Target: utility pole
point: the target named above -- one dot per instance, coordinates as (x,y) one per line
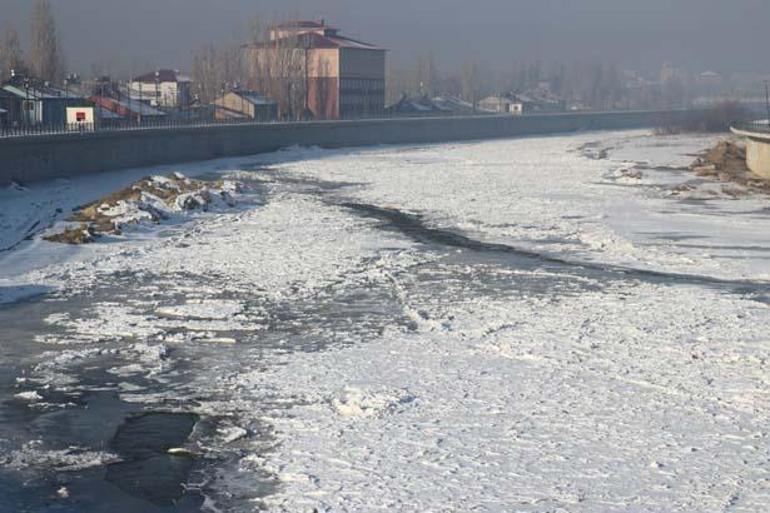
(130,111)
(26,100)
(157,88)
(66,98)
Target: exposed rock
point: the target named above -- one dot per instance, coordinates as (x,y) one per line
(150,199)
(726,162)
(82,234)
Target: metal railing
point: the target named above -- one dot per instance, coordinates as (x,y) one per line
(753,126)
(76,129)
(26,130)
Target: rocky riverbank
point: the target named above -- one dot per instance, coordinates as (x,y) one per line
(726,162)
(149,200)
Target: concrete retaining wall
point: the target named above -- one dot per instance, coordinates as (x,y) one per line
(27,159)
(758,157)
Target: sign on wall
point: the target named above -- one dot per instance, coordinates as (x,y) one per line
(80,118)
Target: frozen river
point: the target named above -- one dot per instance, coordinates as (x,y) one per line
(558,324)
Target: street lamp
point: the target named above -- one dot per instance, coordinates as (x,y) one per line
(70,78)
(129,87)
(66,99)
(157,87)
(26,101)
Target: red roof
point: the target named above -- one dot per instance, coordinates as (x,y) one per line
(315,40)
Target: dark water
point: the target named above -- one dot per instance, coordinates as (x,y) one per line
(90,417)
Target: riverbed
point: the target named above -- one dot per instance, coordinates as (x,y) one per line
(567,323)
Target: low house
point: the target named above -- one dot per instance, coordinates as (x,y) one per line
(42,104)
(166,88)
(518,104)
(420,106)
(457,105)
(504,104)
(243,105)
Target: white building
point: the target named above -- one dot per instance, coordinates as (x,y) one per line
(163,88)
(503,104)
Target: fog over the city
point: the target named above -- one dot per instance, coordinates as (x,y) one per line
(700,34)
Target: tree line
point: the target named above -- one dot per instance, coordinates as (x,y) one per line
(591,83)
(217,68)
(44,59)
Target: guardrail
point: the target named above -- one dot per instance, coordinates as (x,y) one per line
(752,126)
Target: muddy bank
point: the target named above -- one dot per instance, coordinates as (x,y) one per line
(726,162)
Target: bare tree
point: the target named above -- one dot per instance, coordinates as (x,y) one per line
(216,68)
(205,73)
(11,57)
(280,68)
(45,56)
(470,80)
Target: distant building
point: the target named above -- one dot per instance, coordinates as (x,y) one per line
(519,104)
(313,71)
(245,105)
(166,88)
(456,105)
(670,73)
(503,104)
(40,104)
(420,106)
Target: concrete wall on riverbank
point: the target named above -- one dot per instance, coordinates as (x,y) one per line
(757,148)
(758,157)
(41,157)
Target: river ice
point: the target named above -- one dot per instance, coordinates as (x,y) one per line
(529,325)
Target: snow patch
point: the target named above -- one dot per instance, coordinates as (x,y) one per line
(370,402)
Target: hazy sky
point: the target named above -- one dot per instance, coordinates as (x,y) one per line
(725,35)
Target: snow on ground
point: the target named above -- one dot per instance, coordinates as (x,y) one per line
(539,194)
(587,405)
(398,376)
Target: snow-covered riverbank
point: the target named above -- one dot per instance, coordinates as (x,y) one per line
(525,325)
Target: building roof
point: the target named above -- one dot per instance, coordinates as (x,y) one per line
(255,98)
(315,40)
(454,104)
(300,24)
(107,114)
(162,75)
(41,92)
(133,107)
(421,104)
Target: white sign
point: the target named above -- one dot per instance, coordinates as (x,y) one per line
(80,118)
